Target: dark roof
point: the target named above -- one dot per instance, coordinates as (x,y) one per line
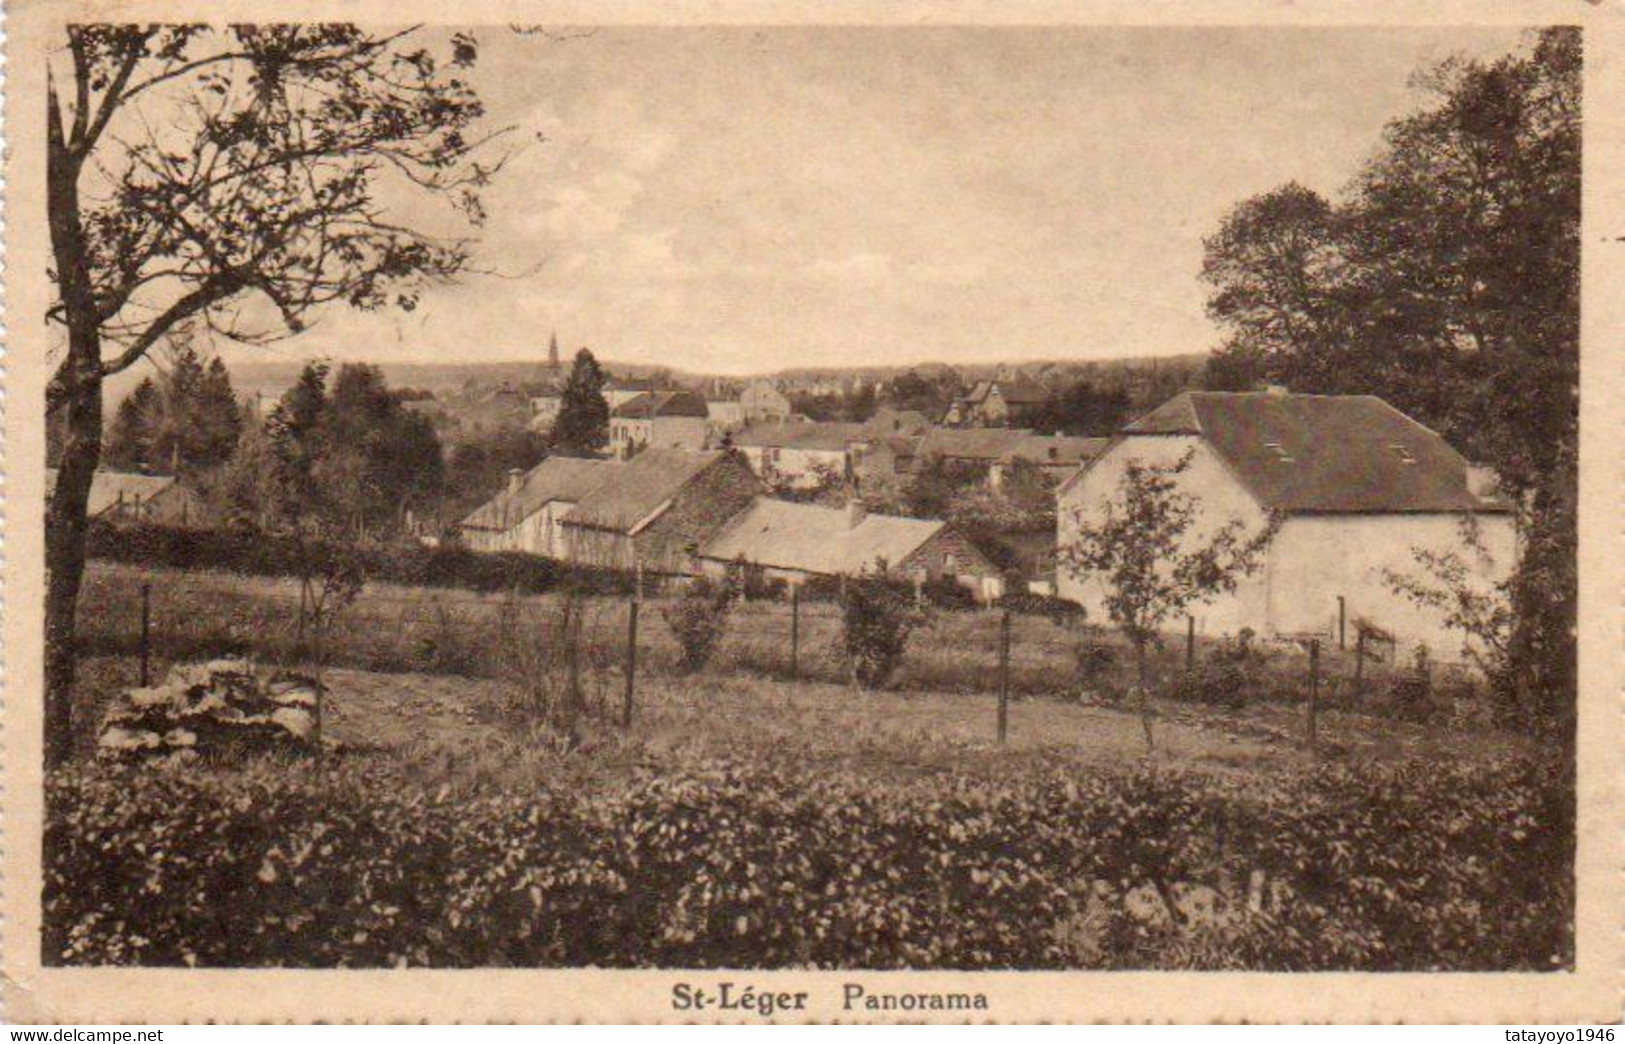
(1020,389)
(985,444)
(556,478)
(664,404)
(807,435)
(109,489)
(638,488)
(1057,449)
(1323,453)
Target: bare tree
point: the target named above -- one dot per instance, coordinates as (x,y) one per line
(233,178)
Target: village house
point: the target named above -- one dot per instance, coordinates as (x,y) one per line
(724,415)
(798,454)
(657,509)
(546,401)
(120,496)
(1357,487)
(1056,456)
(805,454)
(1000,402)
(659,420)
(527,515)
(761,401)
(790,541)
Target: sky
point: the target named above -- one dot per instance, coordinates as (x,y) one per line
(739,200)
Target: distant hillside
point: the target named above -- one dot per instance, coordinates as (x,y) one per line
(270,377)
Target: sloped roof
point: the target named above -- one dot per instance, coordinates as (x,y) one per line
(663,404)
(637,488)
(809,435)
(1020,389)
(988,444)
(1323,453)
(109,488)
(556,478)
(1057,449)
(815,539)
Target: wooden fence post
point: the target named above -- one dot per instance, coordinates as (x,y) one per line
(795,631)
(146,635)
(1190,642)
(1004,676)
(1359,660)
(1314,691)
(631,662)
(1342,622)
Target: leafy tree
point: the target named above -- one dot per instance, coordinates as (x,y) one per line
(255,196)
(1275,265)
(1082,408)
(1137,548)
(698,618)
(582,426)
(930,396)
(877,617)
(478,467)
(1447,281)
(935,483)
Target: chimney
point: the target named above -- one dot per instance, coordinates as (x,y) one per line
(516,478)
(855,512)
(1482,481)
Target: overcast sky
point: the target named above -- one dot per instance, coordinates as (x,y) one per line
(746,199)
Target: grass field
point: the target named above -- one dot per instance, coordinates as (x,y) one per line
(745,819)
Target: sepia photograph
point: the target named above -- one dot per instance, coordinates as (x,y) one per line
(807,498)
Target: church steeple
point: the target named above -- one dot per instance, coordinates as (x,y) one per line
(553,351)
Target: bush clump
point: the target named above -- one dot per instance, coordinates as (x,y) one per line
(1226,675)
(698,618)
(877,617)
(253,552)
(1378,868)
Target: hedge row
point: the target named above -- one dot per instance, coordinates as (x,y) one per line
(1410,867)
(255,553)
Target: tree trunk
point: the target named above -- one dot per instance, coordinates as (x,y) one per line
(65,529)
(78,398)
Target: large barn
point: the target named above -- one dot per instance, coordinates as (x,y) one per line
(1357,484)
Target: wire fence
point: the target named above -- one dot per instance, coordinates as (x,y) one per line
(161,617)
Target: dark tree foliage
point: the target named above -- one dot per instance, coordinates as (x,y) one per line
(254,200)
(1083,408)
(1447,282)
(930,396)
(477,467)
(351,458)
(186,421)
(582,426)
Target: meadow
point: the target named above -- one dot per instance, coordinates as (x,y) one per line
(748,819)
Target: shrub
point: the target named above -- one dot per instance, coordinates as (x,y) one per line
(697,618)
(944,592)
(1095,665)
(1377,868)
(1410,691)
(256,553)
(1060,610)
(877,617)
(1225,677)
